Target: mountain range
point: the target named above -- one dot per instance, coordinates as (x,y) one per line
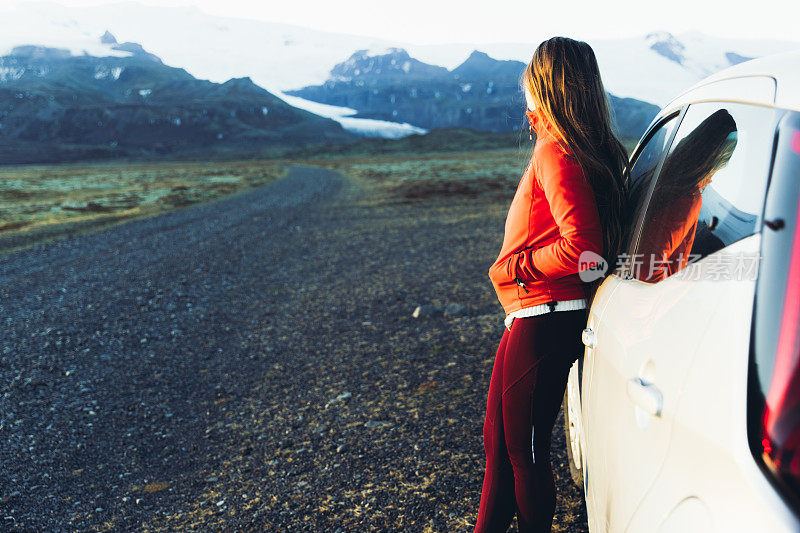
(653,66)
(55,106)
(481,93)
(225,71)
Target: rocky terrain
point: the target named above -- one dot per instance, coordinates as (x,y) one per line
(253,364)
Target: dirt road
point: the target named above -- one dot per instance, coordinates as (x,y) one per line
(252,364)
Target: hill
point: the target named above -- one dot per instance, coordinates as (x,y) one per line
(55,106)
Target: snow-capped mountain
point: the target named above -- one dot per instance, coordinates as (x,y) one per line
(276,56)
(481,93)
(392,63)
(56,107)
(655,67)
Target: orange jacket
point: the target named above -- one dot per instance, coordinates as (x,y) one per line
(552,219)
(666,242)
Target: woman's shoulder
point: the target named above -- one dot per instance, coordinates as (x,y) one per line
(550,156)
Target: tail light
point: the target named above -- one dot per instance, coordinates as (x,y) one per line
(781,418)
(774,391)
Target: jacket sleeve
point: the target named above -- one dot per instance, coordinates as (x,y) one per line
(573,207)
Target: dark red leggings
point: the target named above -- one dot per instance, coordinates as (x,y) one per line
(527,386)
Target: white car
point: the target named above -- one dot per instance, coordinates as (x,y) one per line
(684,412)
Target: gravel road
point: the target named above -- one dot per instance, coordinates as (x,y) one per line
(252,364)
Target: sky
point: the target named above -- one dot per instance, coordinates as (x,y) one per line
(486,21)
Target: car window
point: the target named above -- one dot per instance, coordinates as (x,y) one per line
(710,188)
(643,169)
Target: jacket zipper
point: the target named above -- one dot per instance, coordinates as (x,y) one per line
(517,280)
(521,284)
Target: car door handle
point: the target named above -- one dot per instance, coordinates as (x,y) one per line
(588,338)
(646,396)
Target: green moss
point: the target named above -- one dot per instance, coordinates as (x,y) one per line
(35,198)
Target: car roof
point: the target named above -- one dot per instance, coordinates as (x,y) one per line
(771,81)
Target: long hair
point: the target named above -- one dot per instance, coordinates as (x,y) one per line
(694,160)
(564,81)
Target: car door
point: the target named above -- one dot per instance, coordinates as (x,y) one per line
(599,397)
(704,402)
(659,317)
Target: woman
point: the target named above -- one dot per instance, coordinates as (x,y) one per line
(674,231)
(568,202)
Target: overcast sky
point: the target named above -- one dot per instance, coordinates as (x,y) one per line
(447,21)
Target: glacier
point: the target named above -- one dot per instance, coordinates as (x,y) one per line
(366,127)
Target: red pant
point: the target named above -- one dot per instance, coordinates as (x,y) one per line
(527,386)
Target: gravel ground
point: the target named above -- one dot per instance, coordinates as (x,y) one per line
(253,364)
